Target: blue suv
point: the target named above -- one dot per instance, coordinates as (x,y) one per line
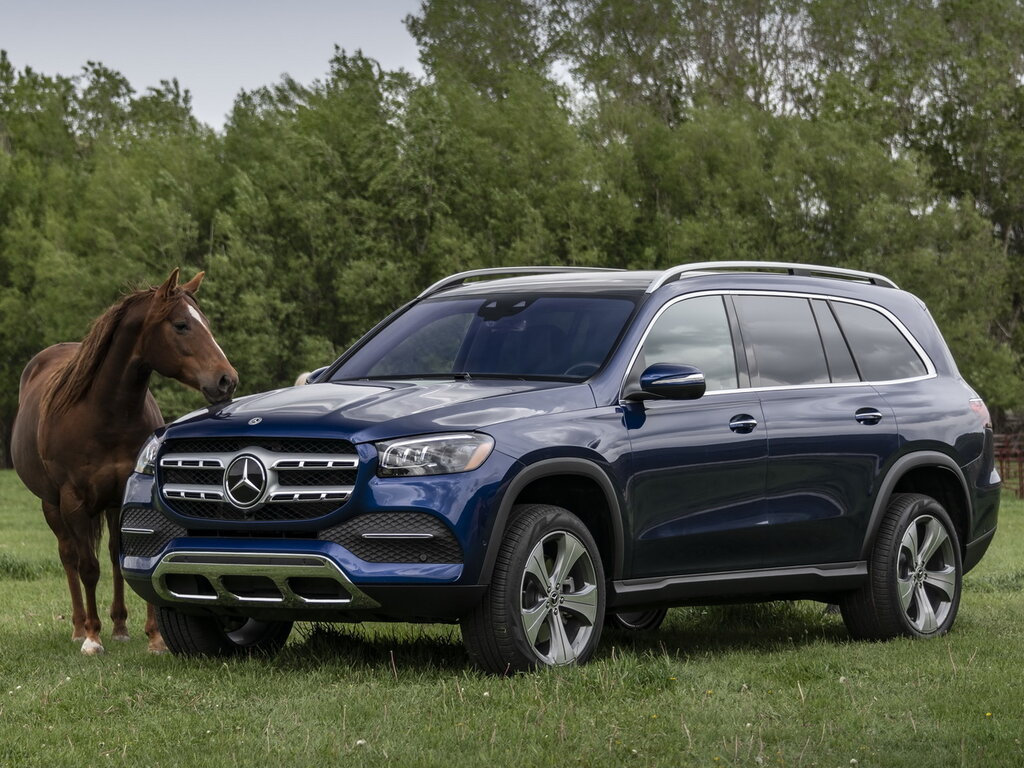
(537,453)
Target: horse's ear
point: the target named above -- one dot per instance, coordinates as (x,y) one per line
(193,285)
(169,285)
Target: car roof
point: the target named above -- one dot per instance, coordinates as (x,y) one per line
(610,281)
(589,280)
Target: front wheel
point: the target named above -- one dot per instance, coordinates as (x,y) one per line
(189,634)
(915,574)
(545,603)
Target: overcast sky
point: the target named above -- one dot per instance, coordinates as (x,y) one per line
(214,47)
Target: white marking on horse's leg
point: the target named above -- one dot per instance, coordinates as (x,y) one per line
(77,639)
(121,638)
(91,648)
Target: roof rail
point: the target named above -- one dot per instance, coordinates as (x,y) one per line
(805,270)
(462,277)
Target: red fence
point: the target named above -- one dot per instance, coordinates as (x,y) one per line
(1010,460)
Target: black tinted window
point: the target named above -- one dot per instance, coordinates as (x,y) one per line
(781,333)
(840,361)
(881,351)
(694,332)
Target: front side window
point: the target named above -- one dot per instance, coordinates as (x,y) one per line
(693,332)
(507,336)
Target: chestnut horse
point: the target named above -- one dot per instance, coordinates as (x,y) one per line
(84,412)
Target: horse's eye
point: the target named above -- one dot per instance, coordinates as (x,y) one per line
(180,326)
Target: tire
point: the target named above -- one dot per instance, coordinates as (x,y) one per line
(189,634)
(636,621)
(538,609)
(915,574)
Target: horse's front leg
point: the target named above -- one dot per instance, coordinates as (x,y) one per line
(156,640)
(118,609)
(68,551)
(85,529)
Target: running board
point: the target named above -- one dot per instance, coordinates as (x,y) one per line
(799,581)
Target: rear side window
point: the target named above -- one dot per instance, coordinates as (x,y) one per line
(840,361)
(882,352)
(782,341)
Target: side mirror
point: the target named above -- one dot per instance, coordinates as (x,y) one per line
(311,379)
(670,382)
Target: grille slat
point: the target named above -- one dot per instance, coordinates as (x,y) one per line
(306,478)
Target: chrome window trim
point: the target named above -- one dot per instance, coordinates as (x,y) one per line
(930,372)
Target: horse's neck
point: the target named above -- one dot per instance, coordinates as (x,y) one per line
(122,379)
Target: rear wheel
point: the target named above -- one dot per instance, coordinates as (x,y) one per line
(545,603)
(637,621)
(915,574)
(188,634)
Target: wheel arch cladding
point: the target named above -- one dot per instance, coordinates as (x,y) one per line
(577,485)
(931,474)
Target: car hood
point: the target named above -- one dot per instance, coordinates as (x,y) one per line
(379,410)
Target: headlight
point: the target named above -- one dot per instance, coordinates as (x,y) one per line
(146,463)
(434,455)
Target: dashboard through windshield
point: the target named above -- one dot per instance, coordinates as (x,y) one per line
(506,336)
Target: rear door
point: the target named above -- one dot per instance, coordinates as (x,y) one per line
(829,432)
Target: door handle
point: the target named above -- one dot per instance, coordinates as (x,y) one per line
(868,415)
(742,423)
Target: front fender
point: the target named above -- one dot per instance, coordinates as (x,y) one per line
(551,468)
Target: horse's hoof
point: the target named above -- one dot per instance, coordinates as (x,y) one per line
(157,647)
(121,638)
(91,647)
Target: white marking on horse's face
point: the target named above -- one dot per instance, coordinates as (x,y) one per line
(202,321)
(198,316)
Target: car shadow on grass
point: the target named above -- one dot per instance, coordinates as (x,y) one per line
(370,647)
(686,632)
(721,628)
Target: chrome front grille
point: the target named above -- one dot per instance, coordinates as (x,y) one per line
(302,480)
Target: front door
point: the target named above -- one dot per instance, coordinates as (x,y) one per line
(698,474)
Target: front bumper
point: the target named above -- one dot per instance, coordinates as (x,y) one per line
(294,571)
(235,578)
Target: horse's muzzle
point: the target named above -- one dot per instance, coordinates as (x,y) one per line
(222,390)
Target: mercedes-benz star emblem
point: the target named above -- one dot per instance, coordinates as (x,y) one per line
(245,482)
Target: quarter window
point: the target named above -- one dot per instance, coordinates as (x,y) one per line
(784,348)
(694,332)
(882,352)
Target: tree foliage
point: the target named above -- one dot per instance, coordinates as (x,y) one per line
(870,134)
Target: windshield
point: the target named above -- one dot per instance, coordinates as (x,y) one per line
(509,336)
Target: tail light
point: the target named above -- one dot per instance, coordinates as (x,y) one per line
(979,407)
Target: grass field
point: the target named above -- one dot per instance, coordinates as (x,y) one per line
(776,684)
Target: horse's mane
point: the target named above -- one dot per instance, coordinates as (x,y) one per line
(71,382)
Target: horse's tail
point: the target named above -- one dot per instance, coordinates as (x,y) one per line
(95,532)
